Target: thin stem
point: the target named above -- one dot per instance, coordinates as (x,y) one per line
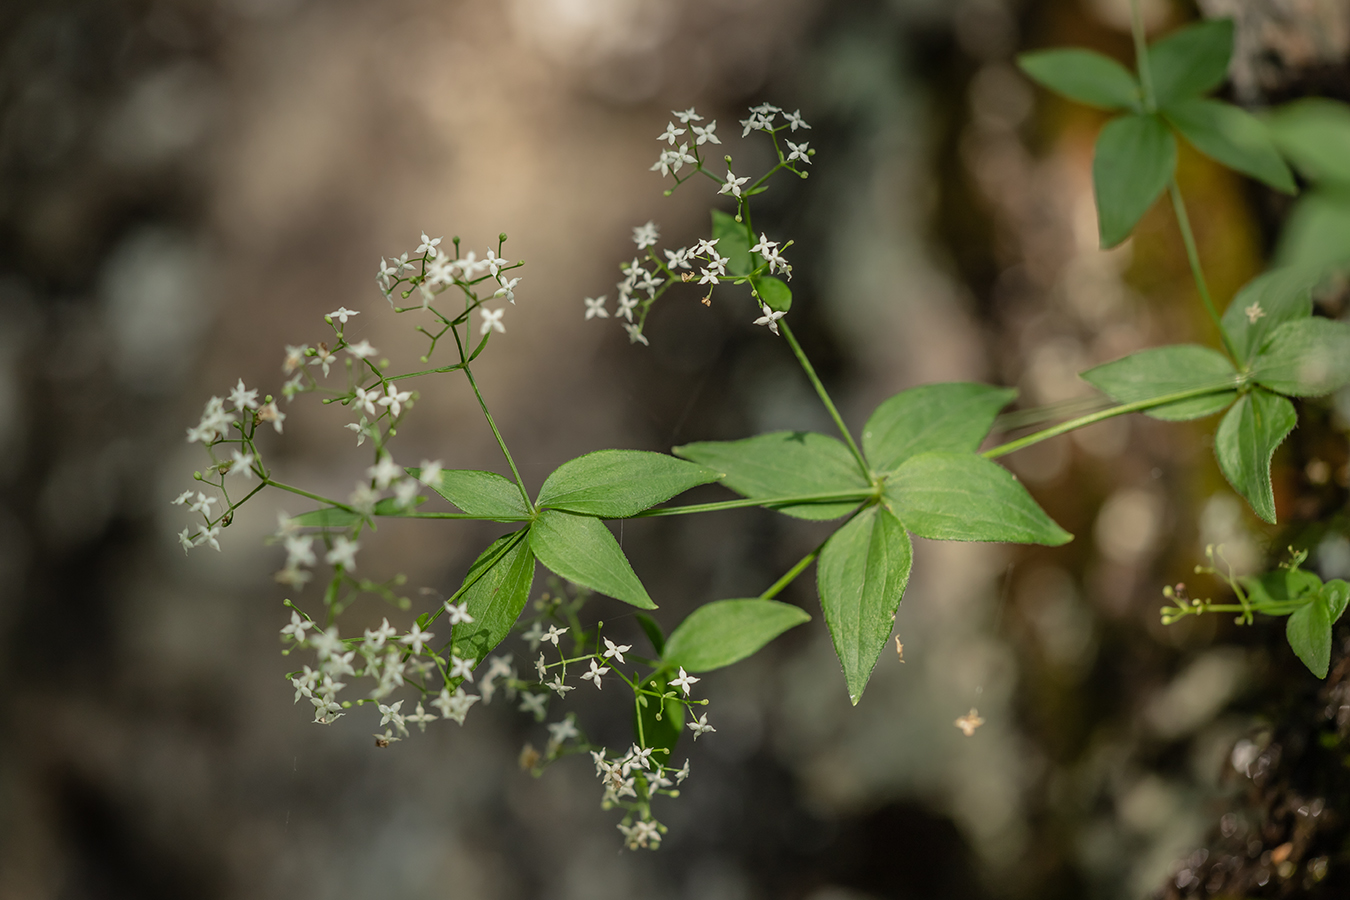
(1193,256)
(437,515)
(520,482)
(770,502)
(304,493)
(791,575)
(1141,56)
(824,397)
(1082,421)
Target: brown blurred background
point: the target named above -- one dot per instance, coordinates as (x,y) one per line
(187,186)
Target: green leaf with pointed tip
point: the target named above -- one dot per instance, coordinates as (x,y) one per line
(861,576)
(1191,61)
(1281,585)
(774,292)
(661,733)
(1305,358)
(332,517)
(1132,164)
(1234,137)
(954,416)
(1309,634)
(1083,75)
(1245,442)
(480,493)
(1168,370)
(615,484)
(1264,304)
(784,464)
(581,549)
(965,497)
(504,574)
(653,632)
(720,633)
(1314,134)
(732,242)
(1336,593)
(1317,233)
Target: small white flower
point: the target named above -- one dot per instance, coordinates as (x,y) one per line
(322,357)
(362,350)
(697,727)
(616,651)
(492,319)
(799,151)
(359,428)
(594,674)
(770,318)
(534,704)
(342,314)
(559,687)
(394,399)
(677,259)
(595,308)
(495,264)
(326,642)
(208,536)
(391,714)
(645,235)
(270,413)
(242,464)
(671,134)
(384,471)
(430,473)
(299,551)
(295,358)
(733,184)
(705,247)
(534,635)
(541,667)
(687,116)
(456,614)
(203,504)
(561,732)
(635,335)
(428,244)
(416,638)
(554,632)
(243,399)
(405,492)
(375,640)
(1254,312)
(420,718)
(765,245)
(363,499)
(343,553)
(455,707)
(185,539)
(685,681)
(508,288)
(462,668)
(681,775)
(706,135)
(794,119)
(626,306)
(182,498)
(638,757)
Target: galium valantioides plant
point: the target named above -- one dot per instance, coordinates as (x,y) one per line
(918,468)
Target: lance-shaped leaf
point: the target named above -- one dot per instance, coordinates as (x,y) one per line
(1309,634)
(615,484)
(732,242)
(499,584)
(1246,441)
(1083,75)
(1234,137)
(653,631)
(861,576)
(581,549)
(785,464)
(1314,134)
(1168,370)
(954,416)
(1264,304)
(965,497)
(1134,159)
(1305,358)
(720,633)
(480,493)
(1191,61)
(661,722)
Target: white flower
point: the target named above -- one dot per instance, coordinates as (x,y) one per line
(363,499)
(202,504)
(243,399)
(394,398)
(208,536)
(765,245)
(699,727)
(270,413)
(214,425)
(534,703)
(799,151)
(677,259)
(671,134)
(1254,312)
(685,681)
(687,116)
(770,318)
(326,642)
(595,308)
(242,464)
(375,640)
(359,428)
(681,775)
(560,732)
(185,540)
(420,718)
(293,576)
(455,707)
(362,350)
(366,400)
(495,264)
(295,358)
(294,386)
(323,358)
(472,266)
(756,122)
(342,314)
(297,627)
(594,674)
(384,471)
(462,668)
(416,638)
(626,306)
(645,235)
(428,244)
(709,276)
(733,184)
(534,635)
(706,135)
(705,247)
(430,473)
(182,498)
(638,757)
(554,632)
(299,551)
(794,119)
(456,614)
(635,335)
(492,319)
(508,288)
(616,651)
(391,714)
(339,664)
(343,553)
(405,492)
(558,686)
(541,667)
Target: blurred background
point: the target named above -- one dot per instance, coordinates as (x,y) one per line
(188,185)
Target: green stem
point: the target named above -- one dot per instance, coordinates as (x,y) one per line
(1082,421)
(454,516)
(824,397)
(769,502)
(1141,56)
(304,493)
(473,579)
(1193,256)
(791,574)
(520,482)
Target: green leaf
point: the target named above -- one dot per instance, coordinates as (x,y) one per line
(505,574)
(1265,303)
(1234,137)
(653,632)
(1336,593)
(862,574)
(1317,233)
(733,242)
(1281,585)
(1305,358)
(1191,61)
(1246,441)
(332,517)
(720,633)
(662,733)
(954,416)
(774,293)
(481,493)
(965,497)
(1314,134)
(1134,159)
(1168,370)
(1309,634)
(784,464)
(581,549)
(615,484)
(1085,76)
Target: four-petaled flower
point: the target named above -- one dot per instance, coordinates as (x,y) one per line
(508,288)
(685,681)
(462,668)
(243,399)
(455,707)
(706,135)
(770,318)
(534,703)
(969,722)
(1254,312)
(687,115)
(646,235)
(595,308)
(594,674)
(794,119)
(554,632)
(616,651)
(342,313)
(456,614)
(671,134)
(362,350)
(492,319)
(558,686)
(733,184)
(428,244)
(799,151)
(416,638)
(420,718)
(343,553)
(699,727)
(635,335)
(394,398)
